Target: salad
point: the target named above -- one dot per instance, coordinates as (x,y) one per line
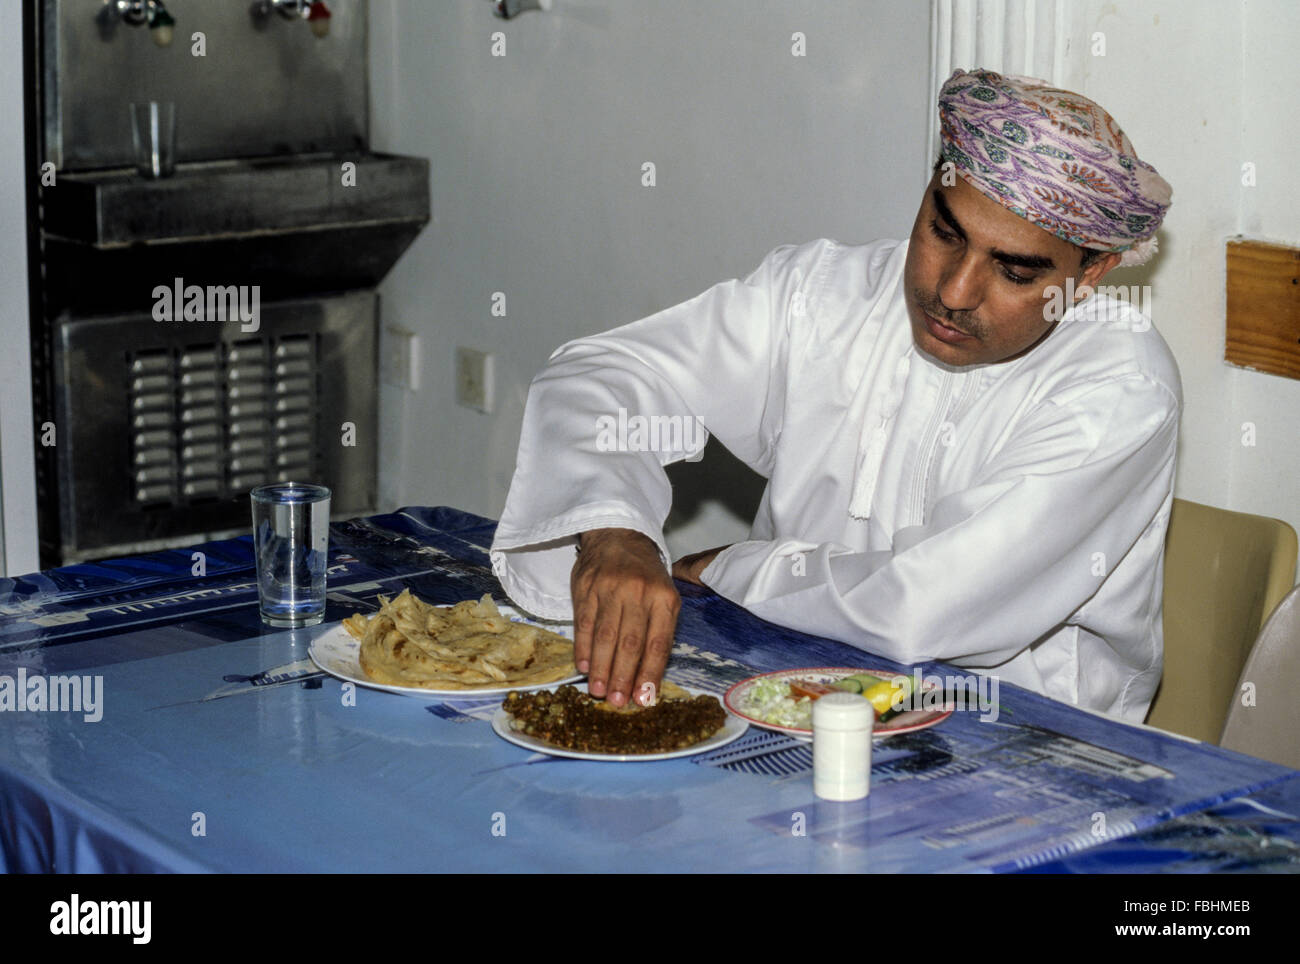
(788,703)
(770,700)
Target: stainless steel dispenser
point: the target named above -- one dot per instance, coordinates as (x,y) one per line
(169,399)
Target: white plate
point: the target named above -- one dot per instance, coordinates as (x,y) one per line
(907,722)
(338,654)
(733,729)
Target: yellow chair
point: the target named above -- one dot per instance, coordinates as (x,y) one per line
(1268,724)
(1224,573)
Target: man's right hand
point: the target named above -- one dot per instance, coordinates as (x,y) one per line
(625,609)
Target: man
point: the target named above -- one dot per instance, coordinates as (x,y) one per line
(961,464)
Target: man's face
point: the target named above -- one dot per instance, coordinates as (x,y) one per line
(976,274)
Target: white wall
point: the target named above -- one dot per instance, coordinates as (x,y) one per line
(17,462)
(1266,478)
(1203,86)
(536,166)
(536,159)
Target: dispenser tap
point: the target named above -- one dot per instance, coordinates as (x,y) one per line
(135,13)
(318,18)
(314,12)
(132,12)
(161,24)
(505,9)
(289,9)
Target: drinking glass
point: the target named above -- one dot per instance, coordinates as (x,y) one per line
(291,544)
(153,130)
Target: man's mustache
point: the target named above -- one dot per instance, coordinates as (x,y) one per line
(949,318)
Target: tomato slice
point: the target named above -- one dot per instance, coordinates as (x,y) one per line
(810,689)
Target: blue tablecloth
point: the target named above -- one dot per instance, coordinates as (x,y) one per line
(215,744)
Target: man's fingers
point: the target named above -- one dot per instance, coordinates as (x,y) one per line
(659,644)
(584,626)
(621,597)
(604,641)
(631,642)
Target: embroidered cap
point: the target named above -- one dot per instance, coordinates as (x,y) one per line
(1055,158)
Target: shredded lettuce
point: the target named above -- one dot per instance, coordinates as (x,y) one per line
(769,700)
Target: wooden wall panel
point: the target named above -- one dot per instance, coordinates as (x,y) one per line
(1264,307)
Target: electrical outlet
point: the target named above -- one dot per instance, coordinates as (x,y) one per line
(400,358)
(474,379)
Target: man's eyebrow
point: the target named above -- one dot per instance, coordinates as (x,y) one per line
(1035,261)
(945,212)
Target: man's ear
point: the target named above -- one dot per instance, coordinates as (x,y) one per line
(1098,269)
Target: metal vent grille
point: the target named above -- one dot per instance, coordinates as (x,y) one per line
(153,426)
(212,421)
(164,428)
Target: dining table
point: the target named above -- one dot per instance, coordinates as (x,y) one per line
(205,741)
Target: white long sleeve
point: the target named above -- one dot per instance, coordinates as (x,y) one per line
(720,357)
(1008,517)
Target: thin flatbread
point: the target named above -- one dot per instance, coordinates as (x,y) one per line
(470,645)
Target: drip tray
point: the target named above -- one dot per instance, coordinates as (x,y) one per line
(292,226)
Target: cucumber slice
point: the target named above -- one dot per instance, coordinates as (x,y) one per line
(850,684)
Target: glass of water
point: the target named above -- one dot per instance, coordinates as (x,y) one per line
(153,129)
(291,530)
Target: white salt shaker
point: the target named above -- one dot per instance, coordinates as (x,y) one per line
(842,724)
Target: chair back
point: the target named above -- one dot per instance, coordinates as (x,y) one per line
(1224,573)
(1264,719)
